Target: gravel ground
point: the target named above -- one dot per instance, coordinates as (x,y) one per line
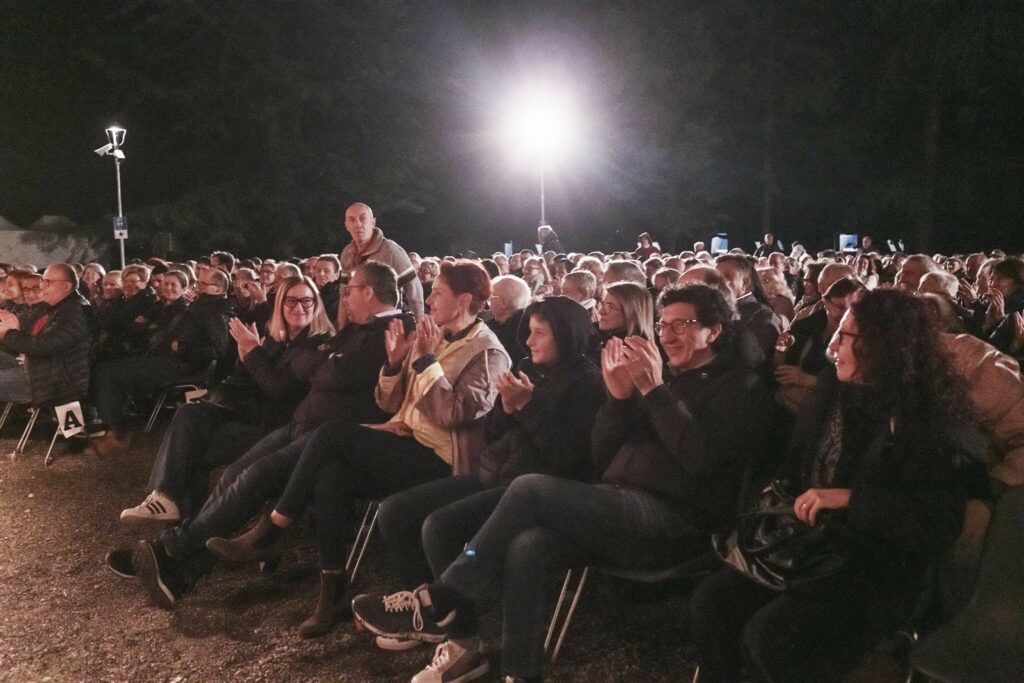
(65,617)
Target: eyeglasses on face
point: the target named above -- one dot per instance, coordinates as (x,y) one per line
(609,306)
(843,336)
(306,302)
(677,326)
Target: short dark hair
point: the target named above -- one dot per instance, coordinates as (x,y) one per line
(710,304)
(225,257)
(468,277)
(332,259)
(382,279)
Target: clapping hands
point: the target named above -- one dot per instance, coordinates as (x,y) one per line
(515,392)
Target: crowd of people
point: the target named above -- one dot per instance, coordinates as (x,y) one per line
(519,415)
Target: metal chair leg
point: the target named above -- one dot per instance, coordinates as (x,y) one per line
(558,610)
(23,441)
(7,411)
(359,536)
(366,541)
(156,410)
(696,675)
(49,451)
(569,615)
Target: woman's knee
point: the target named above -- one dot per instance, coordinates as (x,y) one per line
(532,485)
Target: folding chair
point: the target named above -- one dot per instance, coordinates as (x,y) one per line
(194,383)
(362,539)
(26,434)
(691,569)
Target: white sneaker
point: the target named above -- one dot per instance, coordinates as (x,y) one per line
(396,644)
(156,508)
(453,664)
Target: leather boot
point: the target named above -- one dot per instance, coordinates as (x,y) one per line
(334,604)
(258,544)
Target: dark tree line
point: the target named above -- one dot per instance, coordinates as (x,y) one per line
(252,124)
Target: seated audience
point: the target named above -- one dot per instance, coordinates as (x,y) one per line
(438,383)
(755,313)
(670,449)
(215,432)
(197,336)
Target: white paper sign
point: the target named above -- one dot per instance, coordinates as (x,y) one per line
(69,419)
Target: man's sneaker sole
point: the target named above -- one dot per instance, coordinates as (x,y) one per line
(119,561)
(396,644)
(148,570)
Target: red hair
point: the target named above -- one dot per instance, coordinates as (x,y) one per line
(468,277)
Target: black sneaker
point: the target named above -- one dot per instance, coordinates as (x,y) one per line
(119,561)
(406,615)
(158,572)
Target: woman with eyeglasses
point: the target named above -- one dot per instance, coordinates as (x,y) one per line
(272,376)
(627,309)
(875,454)
(669,448)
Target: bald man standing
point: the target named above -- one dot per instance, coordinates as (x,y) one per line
(368,243)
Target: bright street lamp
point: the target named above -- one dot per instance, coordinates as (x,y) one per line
(115,138)
(539,125)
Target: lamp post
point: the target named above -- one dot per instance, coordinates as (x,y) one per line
(115,138)
(539,129)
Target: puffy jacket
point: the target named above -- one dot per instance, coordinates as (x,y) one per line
(57,356)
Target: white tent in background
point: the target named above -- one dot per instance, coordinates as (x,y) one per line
(39,246)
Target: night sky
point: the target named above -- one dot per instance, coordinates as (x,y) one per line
(251,125)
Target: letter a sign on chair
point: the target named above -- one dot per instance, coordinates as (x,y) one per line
(69,419)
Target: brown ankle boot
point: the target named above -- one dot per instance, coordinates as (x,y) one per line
(334,604)
(259,544)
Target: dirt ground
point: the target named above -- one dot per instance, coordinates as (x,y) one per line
(65,617)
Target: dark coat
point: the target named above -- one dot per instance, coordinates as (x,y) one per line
(907,496)
(342,387)
(119,333)
(761,320)
(509,336)
(201,333)
(688,441)
(281,372)
(57,358)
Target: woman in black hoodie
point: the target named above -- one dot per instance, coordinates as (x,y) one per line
(540,423)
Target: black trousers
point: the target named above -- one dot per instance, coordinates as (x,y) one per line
(814,635)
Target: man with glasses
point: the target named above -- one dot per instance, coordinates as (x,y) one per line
(55,346)
(510,296)
(368,242)
(186,347)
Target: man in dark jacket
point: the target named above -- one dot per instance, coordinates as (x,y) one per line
(56,348)
(755,314)
(197,336)
(509,298)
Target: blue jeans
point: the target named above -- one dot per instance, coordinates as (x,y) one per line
(14,385)
(200,438)
(545,524)
(246,485)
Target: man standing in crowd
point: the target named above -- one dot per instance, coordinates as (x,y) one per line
(769,247)
(56,348)
(368,242)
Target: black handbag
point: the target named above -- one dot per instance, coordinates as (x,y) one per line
(775,549)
